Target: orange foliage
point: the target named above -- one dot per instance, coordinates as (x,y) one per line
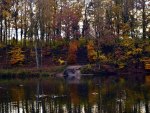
(147,80)
(92,55)
(73,46)
(17,55)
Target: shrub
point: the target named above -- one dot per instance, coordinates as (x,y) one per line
(82,41)
(88,69)
(16,55)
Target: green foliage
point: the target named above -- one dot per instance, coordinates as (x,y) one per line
(129,50)
(82,41)
(88,69)
(58,43)
(127,42)
(103,58)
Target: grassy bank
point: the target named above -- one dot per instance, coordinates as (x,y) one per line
(21,73)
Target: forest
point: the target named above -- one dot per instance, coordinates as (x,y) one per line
(49,33)
(74,56)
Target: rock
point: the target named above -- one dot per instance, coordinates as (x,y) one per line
(72,72)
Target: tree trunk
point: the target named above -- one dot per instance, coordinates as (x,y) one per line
(143,19)
(1,31)
(16,29)
(37,56)
(25,25)
(5,40)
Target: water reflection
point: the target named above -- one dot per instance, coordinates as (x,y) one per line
(130,94)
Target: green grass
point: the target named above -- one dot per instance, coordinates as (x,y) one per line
(30,73)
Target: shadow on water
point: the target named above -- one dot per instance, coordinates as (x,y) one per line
(124,94)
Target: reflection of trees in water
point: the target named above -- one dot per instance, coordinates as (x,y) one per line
(109,95)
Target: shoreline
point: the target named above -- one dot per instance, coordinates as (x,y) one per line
(21,73)
(57,71)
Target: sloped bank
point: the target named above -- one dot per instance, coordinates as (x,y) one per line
(112,69)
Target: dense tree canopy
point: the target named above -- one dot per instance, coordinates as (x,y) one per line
(40,23)
(52,19)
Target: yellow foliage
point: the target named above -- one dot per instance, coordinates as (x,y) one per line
(134,51)
(17,55)
(103,58)
(1,45)
(147,48)
(147,80)
(127,42)
(129,53)
(121,65)
(5,13)
(125,27)
(116,9)
(137,51)
(61,62)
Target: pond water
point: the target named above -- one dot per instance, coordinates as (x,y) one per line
(111,94)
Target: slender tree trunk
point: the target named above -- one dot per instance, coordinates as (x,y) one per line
(25,25)
(16,29)
(37,56)
(31,25)
(41,56)
(37,98)
(9,33)
(5,40)
(146,107)
(21,27)
(4,34)
(143,19)
(1,31)
(132,26)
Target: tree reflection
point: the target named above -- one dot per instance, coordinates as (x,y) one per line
(100,95)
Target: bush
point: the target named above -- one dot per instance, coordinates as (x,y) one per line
(82,41)
(16,55)
(87,69)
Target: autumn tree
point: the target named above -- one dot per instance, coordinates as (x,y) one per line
(92,54)
(71,15)
(16,55)
(5,16)
(73,46)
